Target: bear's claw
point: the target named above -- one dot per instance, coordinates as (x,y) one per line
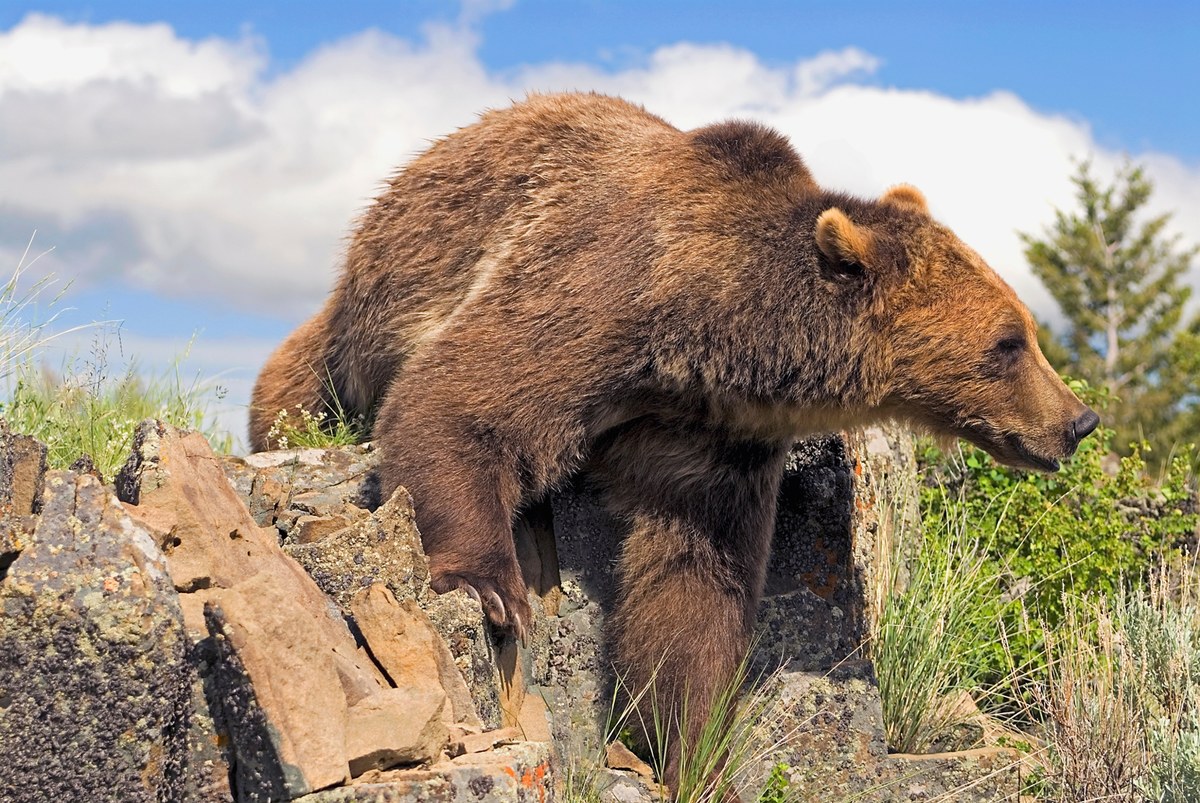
(512,615)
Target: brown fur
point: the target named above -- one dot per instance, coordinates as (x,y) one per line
(294,376)
(573,278)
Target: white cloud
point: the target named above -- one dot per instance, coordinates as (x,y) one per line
(186,168)
(44,54)
(817,74)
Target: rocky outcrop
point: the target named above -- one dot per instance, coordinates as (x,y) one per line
(324,507)
(165,646)
(826,728)
(95,687)
(517,773)
(305,702)
(262,629)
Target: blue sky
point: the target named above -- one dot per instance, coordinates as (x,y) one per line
(199,176)
(1130,69)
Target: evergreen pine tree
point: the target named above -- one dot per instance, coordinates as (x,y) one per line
(1120,284)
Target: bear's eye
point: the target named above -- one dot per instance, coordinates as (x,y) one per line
(1010,347)
(1010,344)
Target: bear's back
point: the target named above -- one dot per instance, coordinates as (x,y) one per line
(556,172)
(419,248)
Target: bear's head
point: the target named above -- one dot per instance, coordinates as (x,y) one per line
(958,349)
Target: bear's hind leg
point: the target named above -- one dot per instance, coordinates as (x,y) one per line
(294,376)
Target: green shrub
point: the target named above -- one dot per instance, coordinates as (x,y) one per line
(1082,531)
(1076,531)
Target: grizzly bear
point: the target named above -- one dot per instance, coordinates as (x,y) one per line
(574,279)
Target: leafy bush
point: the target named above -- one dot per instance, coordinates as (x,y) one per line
(776,788)
(1079,530)
(1085,530)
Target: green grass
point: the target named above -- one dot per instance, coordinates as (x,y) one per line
(1110,705)
(723,759)
(20,336)
(1120,700)
(936,621)
(300,428)
(730,745)
(1105,677)
(1160,631)
(88,413)
(82,410)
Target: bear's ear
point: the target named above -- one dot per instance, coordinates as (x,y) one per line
(907,196)
(848,247)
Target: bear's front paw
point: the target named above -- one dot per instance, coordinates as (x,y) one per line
(503,602)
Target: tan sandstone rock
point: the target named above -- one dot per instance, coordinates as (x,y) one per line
(619,757)
(398,726)
(304,706)
(282,651)
(324,506)
(404,643)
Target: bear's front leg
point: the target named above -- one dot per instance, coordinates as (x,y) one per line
(466,486)
(475,427)
(701,511)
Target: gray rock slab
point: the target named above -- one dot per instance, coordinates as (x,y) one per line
(95,688)
(827,728)
(383,548)
(278,486)
(459,620)
(985,775)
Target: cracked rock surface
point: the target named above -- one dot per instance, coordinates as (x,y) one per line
(95,688)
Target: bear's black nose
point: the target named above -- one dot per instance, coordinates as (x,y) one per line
(1082,427)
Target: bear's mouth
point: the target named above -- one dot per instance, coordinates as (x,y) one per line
(1011,450)
(1032,458)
